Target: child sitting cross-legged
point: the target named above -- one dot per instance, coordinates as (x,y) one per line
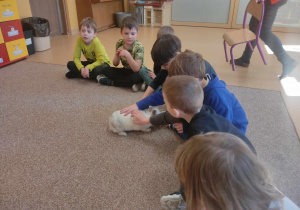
(218,171)
(93,51)
(131,54)
(183,96)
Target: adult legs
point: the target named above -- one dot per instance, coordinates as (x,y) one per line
(270,39)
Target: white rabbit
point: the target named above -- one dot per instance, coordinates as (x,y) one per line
(119,123)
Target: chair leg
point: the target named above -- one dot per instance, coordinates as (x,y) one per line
(225,49)
(261,54)
(250,45)
(232,58)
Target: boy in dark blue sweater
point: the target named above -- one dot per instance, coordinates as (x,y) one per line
(183,96)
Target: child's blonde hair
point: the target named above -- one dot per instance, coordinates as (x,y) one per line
(89,23)
(218,171)
(184,93)
(188,63)
(165,30)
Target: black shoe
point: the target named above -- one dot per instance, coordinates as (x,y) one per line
(70,75)
(240,62)
(105,81)
(288,68)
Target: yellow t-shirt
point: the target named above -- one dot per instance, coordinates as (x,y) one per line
(93,52)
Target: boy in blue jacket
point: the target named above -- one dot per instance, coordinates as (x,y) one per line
(216,95)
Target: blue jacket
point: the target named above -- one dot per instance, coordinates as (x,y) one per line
(216,96)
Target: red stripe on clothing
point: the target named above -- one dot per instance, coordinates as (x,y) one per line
(274,1)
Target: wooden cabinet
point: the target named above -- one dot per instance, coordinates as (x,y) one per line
(12,43)
(102,11)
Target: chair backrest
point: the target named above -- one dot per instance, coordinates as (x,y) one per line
(256,9)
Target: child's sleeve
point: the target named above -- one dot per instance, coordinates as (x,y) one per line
(139,53)
(164,119)
(77,55)
(155,99)
(100,56)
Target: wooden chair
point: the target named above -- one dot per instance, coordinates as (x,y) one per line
(244,35)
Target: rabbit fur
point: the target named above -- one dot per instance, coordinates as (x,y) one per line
(118,123)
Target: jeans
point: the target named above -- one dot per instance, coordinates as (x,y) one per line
(270,39)
(144,74)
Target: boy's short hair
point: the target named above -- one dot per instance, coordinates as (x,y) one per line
(165,30)
(188,63)
(165,49)
(130,22)
(89,23)
(184,93)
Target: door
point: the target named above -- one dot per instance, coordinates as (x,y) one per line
(50,10)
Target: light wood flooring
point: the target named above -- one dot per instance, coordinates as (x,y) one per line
(209,43)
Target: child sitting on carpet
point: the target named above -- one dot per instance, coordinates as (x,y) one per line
(93,51)
(131,54)
(219,171)
(147,75)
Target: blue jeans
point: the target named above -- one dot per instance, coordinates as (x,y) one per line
(266,33)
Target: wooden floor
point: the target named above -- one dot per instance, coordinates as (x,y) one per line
(209,43)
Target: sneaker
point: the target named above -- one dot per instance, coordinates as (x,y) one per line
(240,62)
(99,77)
(288,68)
(144,86)
(174,201)
(105,81)
(136,87)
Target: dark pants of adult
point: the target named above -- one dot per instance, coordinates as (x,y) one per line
(266,33)
(122,77)
(75,73)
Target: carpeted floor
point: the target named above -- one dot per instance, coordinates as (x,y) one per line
(56,151)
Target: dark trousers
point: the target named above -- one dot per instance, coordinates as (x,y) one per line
(122,77)
(93,74)
(266,33)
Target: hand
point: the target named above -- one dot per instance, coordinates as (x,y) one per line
(179,127)
(140,118)
(119,50)
(129,109)
(124,53)
(151,74)
(84,72)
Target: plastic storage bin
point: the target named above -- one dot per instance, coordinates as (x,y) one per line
(120,16)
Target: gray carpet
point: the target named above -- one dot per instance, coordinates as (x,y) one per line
(56,151)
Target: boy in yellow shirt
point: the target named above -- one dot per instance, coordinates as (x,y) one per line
(93,51)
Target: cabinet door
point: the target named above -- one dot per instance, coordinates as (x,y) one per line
(3,55)
(8,10)
(16,49)
(11,30)
(1,37)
